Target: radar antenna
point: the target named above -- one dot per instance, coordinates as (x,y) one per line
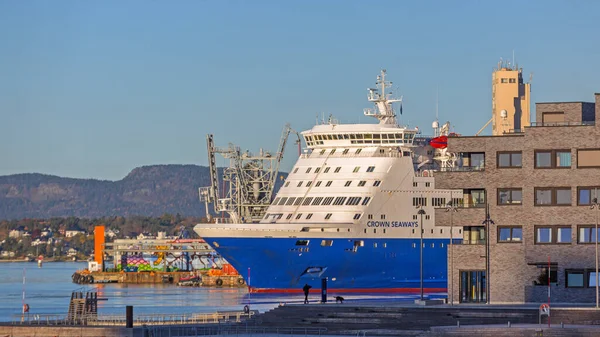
(383,102)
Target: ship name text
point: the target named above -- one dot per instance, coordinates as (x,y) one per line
(392,224)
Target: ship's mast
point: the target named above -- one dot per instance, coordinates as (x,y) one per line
(383,102)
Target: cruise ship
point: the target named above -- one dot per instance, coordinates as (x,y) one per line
(357,208)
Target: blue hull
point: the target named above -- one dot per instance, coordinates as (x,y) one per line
(380,265)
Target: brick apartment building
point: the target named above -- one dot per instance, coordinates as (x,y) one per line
(539,183)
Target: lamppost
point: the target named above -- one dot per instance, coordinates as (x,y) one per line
(450,207)
(487,222)
(596,205)
(421,212)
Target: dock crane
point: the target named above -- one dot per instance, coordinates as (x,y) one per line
(248,182)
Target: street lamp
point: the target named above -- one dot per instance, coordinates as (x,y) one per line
(596,205)
(450,207)
(487,222)
(421,212)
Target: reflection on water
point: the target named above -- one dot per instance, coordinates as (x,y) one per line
(48,291)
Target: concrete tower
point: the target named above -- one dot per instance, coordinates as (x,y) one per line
(510,99)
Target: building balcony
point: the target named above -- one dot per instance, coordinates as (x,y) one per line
(464,216)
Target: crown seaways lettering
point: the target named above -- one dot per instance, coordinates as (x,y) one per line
(392,224)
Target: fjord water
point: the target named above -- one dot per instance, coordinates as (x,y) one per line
(48,291)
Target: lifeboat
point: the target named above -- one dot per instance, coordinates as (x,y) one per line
(440,142)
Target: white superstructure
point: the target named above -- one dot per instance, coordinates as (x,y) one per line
(358,180)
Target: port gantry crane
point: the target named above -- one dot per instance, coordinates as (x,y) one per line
(247,183)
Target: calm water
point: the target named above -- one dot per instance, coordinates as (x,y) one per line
(48,291)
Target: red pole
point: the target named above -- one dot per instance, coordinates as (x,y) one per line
(549,290)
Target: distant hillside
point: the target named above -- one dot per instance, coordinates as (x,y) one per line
(148,190)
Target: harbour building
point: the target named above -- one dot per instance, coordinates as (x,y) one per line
(528,211)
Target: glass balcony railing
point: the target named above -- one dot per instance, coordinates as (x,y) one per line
(463,169)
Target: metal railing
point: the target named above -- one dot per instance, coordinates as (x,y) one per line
(138,320)
(224,330)
(550,124)
(463,169)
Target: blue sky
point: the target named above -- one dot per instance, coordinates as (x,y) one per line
(95,89)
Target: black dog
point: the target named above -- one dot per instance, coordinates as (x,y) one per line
(339,299)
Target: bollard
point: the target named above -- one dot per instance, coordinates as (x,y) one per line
(562,325)
(324,290)
(129,316)
(458,324)
(509,324)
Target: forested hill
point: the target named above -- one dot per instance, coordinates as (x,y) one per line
(148,190)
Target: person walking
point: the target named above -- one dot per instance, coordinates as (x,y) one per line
(306,289)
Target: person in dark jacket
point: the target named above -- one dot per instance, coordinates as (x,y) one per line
(306,288)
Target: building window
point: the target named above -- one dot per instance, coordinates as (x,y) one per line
(289,216)
(586,195)
(552,196)
(299,184)
(438,202)
(591,279)
(543,235)
(287,184)
(382,216)
(552,159)
(574,278)
(353,201)
(339,201)
(298,216)
(415,217)
(509,159)
(326,170)
(504,80)
(327,201)
(328,216)
(318,183)
(332,152)
(357,216)
(282,201)
(361,183)
(377,183)
(290,201)
(366,201)
(415,184)
(337,169)
(419,201)
(308,170)
(357,151)
(510,234)
(345,151)
(588,158)
(326,243)
(371,169)
(427,184)
(586,234)
(563,234)
(328,183)
(427,217)
(543,277)
(309,216)
(302,242)
(473,160)
(317,201)
(356,169)
(317,170)
(295,170)
(308,183)
(298,201)
(348,183)
(512,80)
(322,152)
(370,216)
(510,196)
(307,201)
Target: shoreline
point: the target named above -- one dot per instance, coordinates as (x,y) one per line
(35,261)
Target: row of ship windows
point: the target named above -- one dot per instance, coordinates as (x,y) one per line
(347,184)
(337,169)
(361,136)
(357,243)
(366,141)
(321,201)
(277,216)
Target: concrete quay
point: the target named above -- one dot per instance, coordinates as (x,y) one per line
(364,319)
